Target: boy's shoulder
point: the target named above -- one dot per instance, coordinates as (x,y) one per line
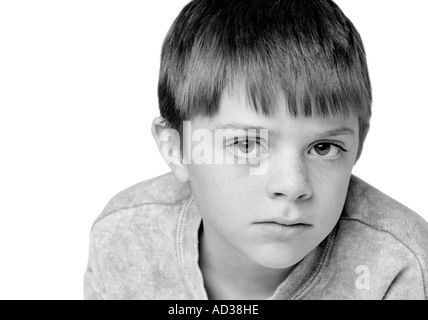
(160,190)
(373,208)
(380,250)
(134,238)
(378,231)
(384,241)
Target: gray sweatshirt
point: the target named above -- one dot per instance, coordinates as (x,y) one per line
(144,245)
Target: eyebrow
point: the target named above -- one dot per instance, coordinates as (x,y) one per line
(236,125)
(341,131)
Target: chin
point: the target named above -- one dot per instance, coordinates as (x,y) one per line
(279,259)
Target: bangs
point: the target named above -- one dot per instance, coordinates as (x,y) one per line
(309,88)
(307,52)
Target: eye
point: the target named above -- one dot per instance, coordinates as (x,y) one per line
(246,147)
(327,149)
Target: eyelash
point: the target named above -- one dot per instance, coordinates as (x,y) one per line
(236,140)
(341,152)
(333,143)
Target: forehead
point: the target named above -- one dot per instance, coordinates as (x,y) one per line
(236,111)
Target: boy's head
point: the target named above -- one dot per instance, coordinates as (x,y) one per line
(305,51)
(294,67)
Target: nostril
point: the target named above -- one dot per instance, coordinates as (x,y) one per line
(303,196)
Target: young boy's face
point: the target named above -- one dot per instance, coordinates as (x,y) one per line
(276,218)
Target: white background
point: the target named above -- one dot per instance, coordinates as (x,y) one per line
(78,86)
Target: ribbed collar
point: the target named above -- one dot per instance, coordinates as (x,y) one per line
(300,281)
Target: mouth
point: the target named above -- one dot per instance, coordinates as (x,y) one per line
(284,225)
(283,228)
(285,222)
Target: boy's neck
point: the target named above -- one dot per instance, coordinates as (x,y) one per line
(231,275)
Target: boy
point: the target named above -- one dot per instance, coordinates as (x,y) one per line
(265,106)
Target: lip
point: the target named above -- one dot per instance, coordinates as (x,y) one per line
(286,229)
(286,222)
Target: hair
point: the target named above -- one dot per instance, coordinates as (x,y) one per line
(306,50)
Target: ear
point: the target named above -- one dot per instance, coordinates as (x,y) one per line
(168,141)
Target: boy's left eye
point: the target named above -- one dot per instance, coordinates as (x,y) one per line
(327,149)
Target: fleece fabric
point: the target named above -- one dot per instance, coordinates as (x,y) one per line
(144,245)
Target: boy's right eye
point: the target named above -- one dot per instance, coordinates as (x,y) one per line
(247,147)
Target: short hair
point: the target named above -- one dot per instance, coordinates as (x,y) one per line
(306,50)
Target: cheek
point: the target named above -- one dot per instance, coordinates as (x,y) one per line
(220,191)
(220,179)
(208,178)
(210,185)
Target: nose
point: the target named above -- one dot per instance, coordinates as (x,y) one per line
(288,178)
